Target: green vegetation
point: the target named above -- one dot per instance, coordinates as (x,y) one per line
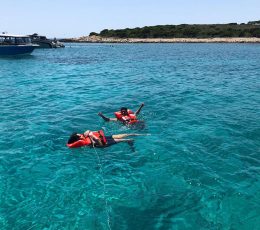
(251,29)
(254,22)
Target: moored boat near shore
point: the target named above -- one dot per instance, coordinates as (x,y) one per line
(44,42)
(15,44)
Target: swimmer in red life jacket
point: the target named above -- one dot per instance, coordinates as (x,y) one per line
(98,139)
(124,115)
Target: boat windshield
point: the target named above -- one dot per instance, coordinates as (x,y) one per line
(6,40)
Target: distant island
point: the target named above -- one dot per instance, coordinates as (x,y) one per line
(231,32)
(251,29)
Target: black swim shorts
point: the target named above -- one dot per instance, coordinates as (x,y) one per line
(110,140)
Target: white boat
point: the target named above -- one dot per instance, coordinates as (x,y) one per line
(11,44)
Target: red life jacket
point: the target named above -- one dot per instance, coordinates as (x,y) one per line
(129,119)
(87,141)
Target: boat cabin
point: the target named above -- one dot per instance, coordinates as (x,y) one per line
(8,39)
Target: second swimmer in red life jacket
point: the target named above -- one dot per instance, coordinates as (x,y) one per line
(124,115)
(98,139)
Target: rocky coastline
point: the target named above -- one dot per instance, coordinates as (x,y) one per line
(98,39)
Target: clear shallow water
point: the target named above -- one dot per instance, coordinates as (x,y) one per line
(199,168)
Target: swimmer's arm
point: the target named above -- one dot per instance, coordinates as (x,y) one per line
(96,140)
(113,119)
(139,109)
(106,118)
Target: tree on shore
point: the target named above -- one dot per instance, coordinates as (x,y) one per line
(251,29)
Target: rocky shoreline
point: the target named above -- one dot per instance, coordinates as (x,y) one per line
(98,39)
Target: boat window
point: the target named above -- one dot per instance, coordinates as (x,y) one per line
(14,40)
(22,40)
(27,40)
(1,40)
(7,40)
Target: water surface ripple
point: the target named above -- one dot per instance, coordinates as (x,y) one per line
(199,169)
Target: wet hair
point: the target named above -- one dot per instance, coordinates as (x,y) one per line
(73,138)
(123,108)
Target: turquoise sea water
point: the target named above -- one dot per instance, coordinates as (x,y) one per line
(199,169)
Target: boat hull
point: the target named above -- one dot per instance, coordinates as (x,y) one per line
(16,49)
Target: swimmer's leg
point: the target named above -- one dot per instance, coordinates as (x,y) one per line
(130,142)
(112,141)
(124,140)
(120,136)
